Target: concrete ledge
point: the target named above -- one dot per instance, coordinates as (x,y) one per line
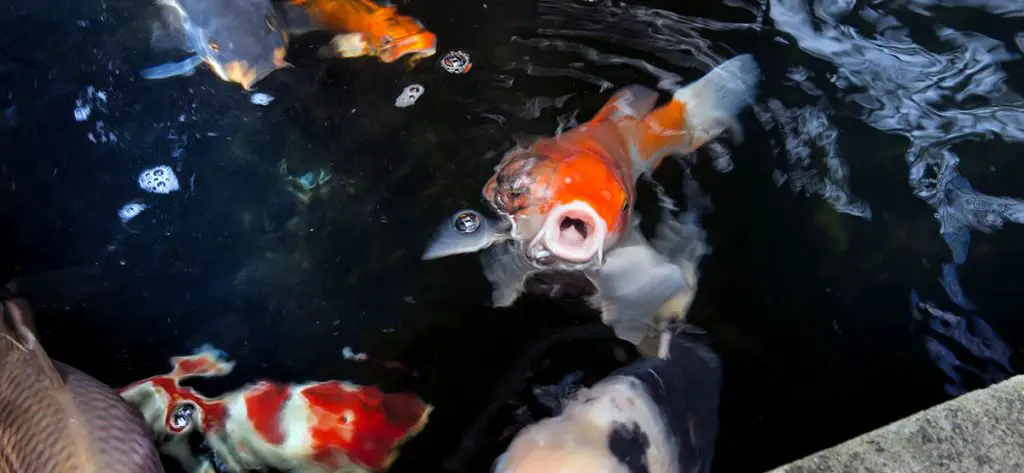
(979,432)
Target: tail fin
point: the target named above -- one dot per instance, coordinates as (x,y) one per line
(699,112)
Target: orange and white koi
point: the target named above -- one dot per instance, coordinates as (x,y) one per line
(317,426)
(566,202)
(370,29)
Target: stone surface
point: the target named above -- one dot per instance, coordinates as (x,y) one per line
(979,432)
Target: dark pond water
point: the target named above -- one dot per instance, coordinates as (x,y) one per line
(866,258)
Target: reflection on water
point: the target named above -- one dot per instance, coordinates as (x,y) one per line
(935,99)
(879,164)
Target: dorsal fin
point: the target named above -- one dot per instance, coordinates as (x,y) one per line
(634,101)
(16,334)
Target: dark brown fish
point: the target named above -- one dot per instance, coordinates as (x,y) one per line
(56,419)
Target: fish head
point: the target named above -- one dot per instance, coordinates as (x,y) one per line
(557,444)
(398,36)
(372,423)
(566,211)
(242,41)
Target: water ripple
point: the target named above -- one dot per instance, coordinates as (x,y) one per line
(808,133)
(1005,8)
(949,334)
(936,99)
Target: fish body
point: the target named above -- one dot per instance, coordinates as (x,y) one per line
(56,419)
(370,29)
(241,41)
(316,427)
(657,415)
(568,201)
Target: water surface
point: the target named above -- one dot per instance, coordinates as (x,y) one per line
(865,256)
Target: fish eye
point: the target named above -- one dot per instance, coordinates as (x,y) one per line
(213,44)
(385,41)
(182,416)
(271,21)
(346,418)
(466,222)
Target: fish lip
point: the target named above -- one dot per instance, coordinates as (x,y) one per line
(261,73)
(552,235)
(265,71)
(408,45)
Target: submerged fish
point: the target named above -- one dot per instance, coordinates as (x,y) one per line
(329,426)
(654,416)
(242,41)
(567,203)
(56,419)
(372,30)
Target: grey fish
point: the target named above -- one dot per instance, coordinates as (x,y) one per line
(56,419)
(241,41)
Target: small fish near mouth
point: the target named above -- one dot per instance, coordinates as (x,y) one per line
(467,231)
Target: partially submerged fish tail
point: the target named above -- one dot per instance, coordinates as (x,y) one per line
(408,414)
(699,112)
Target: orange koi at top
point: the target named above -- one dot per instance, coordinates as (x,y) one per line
(370,29)
(566,203)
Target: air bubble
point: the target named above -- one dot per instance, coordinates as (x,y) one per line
(456,62)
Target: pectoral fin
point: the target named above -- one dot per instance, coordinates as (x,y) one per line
(467,231)
(633,284)
(643,286)
(172,69)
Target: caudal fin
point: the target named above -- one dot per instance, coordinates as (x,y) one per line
(713,101)
(699,112)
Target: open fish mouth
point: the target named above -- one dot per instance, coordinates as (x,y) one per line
(574,233)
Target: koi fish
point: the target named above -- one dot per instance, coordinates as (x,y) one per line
(371,30)
(567,203)
(242,41)
(330,426)
(56,419)
(653,416)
